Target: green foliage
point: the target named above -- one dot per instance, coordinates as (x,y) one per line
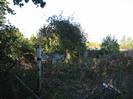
(10,41)
(109,45)
(4,9)
(49,43)
(40,3)
(78,80)
(15,58)
(126,43)
(61,34)
(13,44)
(28,45)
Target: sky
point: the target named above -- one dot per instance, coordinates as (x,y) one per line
(98,18)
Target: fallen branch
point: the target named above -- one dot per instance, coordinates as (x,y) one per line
(29,89)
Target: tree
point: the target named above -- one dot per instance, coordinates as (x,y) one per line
(13,44)
(126,43)
(15,57)
(4,9)
(109,45)
(10,36)
(13,47)
(40,3)
(27,46)
(62,35)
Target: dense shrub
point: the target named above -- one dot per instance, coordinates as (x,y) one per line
(109,45)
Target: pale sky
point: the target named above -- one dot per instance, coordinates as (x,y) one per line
(98,18)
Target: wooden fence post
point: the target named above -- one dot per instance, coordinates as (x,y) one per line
(39,65)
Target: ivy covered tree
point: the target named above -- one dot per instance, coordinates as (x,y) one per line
(109,45)
(62,35)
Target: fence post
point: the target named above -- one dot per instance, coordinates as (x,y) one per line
(39,66)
